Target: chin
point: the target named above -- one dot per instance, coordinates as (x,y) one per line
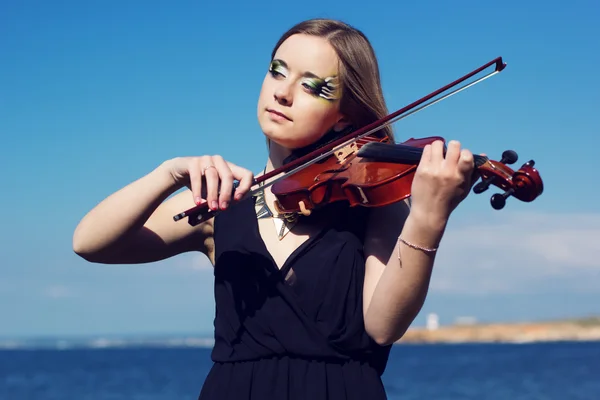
(276,134)
(286,142)
(285,137)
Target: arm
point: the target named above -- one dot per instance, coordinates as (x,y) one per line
(135,224)
(395,287)
(397,276)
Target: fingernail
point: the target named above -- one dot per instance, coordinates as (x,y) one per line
(224,205)
(214,205)
(198,200)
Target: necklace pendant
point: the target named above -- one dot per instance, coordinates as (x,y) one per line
(264,212)
(283,223)
(282,227)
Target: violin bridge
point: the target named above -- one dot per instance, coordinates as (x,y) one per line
(345,152)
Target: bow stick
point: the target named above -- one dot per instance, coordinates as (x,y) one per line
(201,212)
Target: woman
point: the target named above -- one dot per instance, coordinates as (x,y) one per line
(306,307)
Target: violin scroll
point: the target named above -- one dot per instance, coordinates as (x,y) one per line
(524,184)
(373,174)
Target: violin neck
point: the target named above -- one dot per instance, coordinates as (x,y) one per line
(401,154)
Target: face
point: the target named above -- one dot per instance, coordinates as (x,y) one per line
(299,99)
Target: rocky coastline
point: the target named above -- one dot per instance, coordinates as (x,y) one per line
(573,330)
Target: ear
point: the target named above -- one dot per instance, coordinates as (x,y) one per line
(342,124)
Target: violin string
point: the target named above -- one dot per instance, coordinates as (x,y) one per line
(333,150)
(402,153)
(393,120)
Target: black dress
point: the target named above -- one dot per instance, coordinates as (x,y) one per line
(294,333)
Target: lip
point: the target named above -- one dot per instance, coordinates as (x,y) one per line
(280,114)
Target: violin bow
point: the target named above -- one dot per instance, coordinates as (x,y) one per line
(201,212)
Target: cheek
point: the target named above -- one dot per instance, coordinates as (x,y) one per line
(319,114)
(262,94)
(265,89)
(316,121)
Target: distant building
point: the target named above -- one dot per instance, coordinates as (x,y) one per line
(433,322)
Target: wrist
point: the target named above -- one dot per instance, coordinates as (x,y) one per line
(163,175)
(432,220)
(425,229)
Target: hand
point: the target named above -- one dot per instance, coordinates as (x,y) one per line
(218,177)
(441,183)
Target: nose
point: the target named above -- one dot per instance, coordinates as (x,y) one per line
(283,94)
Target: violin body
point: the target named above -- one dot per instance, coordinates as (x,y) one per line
(366,171)
(377,173)
(359,181)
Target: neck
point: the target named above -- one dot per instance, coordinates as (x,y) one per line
(277,154)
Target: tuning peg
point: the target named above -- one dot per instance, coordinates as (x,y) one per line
(509,157)
(483,185)
(499,199)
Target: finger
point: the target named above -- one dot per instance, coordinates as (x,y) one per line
(195,174)
(426,155)
(453,152)
(466,163)
(245,178)
(211,177)
(226,181)
(437,152)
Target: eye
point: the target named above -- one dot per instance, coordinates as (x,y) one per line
(312,87)
(277,70)
(324,88)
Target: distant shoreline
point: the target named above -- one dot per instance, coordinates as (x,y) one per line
(583,329)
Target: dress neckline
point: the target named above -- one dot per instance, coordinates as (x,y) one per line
(285,267)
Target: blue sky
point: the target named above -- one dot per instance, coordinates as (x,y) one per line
(96,94)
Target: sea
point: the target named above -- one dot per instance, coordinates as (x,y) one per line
(525,371)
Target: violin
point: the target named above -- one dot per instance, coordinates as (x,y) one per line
(364,170)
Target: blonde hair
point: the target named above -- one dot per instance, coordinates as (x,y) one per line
(362,99)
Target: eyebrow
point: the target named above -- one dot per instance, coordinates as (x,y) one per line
(306,74)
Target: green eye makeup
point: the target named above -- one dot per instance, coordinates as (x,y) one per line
(325,88)
(277,67)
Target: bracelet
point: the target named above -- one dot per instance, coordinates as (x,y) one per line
(414,246)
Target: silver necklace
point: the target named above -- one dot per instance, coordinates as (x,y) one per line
(284,223)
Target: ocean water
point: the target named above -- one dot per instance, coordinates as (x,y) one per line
(549,371)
